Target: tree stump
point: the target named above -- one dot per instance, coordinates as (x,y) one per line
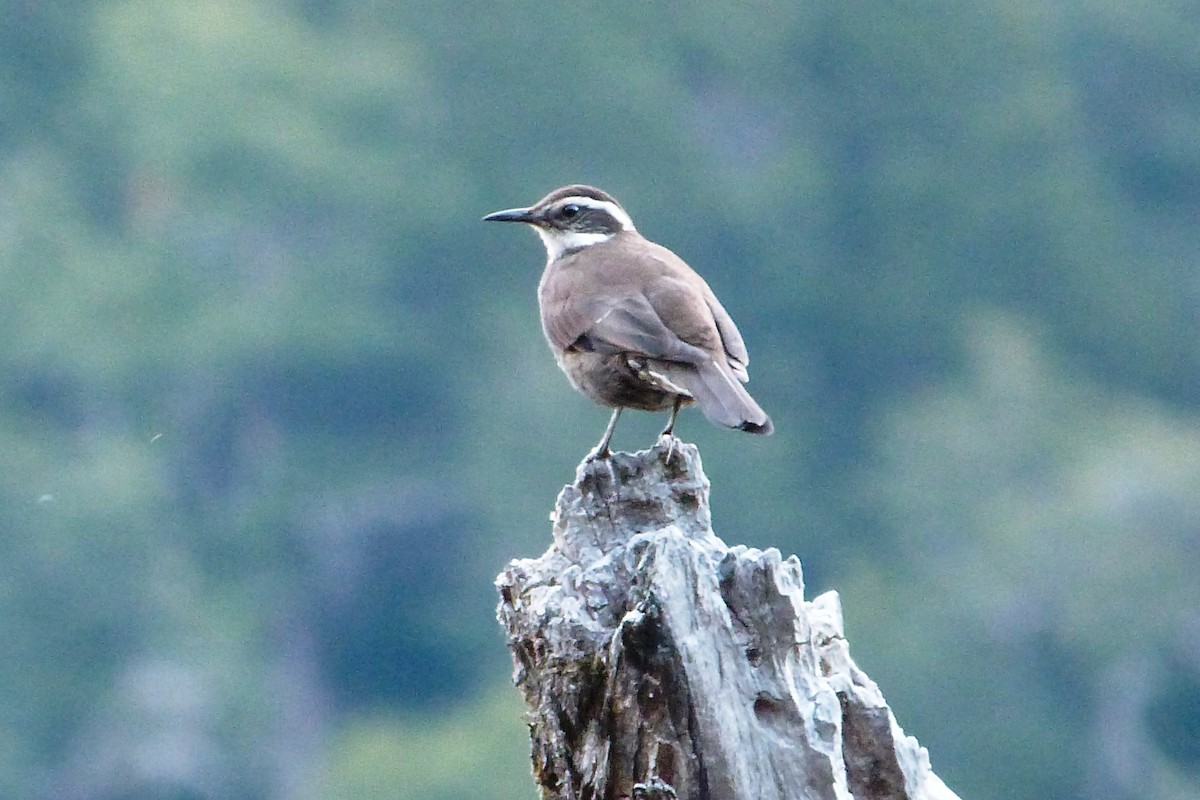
(657,662)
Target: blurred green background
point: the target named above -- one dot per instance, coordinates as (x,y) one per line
(275,406)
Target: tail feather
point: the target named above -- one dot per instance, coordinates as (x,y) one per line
(721,396)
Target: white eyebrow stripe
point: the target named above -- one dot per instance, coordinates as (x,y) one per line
(613,209)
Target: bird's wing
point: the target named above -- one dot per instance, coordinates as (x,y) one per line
(710,327)
(632,324)
(656,307)
(731,338)
(714,326)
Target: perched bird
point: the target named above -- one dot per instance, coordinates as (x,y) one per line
(629,322)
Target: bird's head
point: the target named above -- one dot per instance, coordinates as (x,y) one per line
(571,218)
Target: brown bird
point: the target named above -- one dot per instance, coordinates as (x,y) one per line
(629,322)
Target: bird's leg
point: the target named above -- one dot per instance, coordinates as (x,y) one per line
(602,450)
(669,431)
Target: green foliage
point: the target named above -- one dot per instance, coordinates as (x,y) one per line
(478,751)
(275,408)
(1051,528)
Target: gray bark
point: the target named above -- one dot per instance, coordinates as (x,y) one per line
(659,663)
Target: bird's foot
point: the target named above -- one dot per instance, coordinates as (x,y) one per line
(671,440)
(599,454)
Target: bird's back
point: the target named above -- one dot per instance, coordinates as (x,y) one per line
(577,290)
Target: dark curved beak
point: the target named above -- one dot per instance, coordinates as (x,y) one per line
(511,215)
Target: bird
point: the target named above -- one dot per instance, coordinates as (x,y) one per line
(629,322)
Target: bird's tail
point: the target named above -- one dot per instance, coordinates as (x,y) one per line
(721,396)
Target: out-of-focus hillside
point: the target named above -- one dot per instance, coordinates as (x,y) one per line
(275,406)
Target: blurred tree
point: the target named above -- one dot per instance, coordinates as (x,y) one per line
(1056,526)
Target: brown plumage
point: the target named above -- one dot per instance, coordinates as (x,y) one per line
(629,322)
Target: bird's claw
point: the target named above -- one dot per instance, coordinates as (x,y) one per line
(671,440)
(599,454)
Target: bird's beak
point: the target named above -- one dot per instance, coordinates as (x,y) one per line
(511,215)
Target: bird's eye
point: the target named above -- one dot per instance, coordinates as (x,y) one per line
(570,211)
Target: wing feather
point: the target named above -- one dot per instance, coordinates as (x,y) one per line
(644,284)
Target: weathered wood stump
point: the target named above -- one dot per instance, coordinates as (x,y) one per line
(659,663)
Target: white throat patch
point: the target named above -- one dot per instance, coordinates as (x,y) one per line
(558,242)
